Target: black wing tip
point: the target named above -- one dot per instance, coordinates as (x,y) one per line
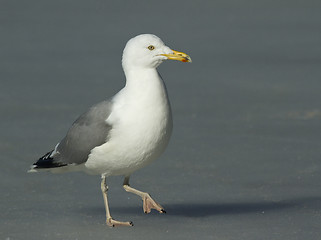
(47,162)
(46,156)
(38,165)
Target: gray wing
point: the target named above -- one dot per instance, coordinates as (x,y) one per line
(87,132)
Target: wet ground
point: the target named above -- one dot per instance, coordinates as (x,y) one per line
(244,158)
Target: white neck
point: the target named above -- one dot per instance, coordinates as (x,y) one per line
(144,96)
(145,84)
(141,77)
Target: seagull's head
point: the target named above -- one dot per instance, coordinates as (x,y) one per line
(149,51)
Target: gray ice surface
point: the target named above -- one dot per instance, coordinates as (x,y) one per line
(244,161)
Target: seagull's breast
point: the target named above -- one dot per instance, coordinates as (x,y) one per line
(142,125)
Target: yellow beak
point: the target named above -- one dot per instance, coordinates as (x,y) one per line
(179,56)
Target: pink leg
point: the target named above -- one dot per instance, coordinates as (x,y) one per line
(109,220)
(148,202)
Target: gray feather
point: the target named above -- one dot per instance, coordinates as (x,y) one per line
(87,132)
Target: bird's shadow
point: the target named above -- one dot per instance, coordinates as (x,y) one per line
(209,209)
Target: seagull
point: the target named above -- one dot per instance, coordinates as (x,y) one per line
(126,132)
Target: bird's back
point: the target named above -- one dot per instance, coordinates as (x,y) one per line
(87,132)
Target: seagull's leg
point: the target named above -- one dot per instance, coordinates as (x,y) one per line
(109,220)
(148,202)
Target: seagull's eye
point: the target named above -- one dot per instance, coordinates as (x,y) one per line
(151,47)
